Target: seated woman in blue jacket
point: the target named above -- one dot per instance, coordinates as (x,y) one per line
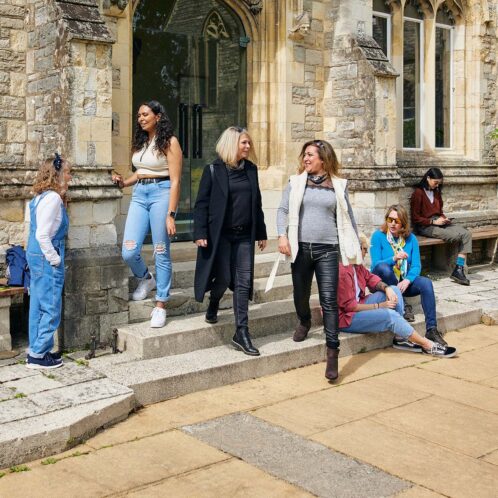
(395,258)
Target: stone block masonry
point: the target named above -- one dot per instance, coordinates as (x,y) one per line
(13,42)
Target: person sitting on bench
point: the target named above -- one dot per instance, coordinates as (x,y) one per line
(429,220)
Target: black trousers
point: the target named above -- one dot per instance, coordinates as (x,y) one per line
(323,261)
(233,262)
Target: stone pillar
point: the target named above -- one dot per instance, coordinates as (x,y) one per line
(359,113)
(70,94)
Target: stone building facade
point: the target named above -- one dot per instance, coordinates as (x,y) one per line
(395,85)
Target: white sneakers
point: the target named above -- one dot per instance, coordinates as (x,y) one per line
(158,318)
(158,315)
(144,287)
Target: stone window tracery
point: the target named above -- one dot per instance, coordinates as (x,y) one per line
(418,37)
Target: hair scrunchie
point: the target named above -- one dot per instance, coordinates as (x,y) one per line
(57,162)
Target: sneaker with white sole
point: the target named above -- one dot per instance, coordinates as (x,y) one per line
(46,363)
(144,287)
(406,345)
(158,318)
(440,351)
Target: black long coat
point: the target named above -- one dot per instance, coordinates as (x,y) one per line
(209,214)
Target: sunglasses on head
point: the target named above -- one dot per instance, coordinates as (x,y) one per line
(393,220)
(319,143)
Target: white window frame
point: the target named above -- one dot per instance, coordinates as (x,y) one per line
(452,85)
(389,31)
(420,22)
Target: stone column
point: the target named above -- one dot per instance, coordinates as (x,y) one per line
(69,93)
(358,110)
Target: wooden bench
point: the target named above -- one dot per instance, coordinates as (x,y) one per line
(443,259)
(6,294)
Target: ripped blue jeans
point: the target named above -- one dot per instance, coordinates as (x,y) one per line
(149,208)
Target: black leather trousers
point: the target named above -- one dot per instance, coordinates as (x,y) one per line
(233,263)
(323,261)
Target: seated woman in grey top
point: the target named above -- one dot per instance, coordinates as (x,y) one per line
(313,201)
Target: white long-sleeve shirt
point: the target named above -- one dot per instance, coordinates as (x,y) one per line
(48,221)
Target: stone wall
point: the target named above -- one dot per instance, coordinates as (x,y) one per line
(13,40)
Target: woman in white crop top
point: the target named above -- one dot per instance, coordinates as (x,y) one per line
(157,158)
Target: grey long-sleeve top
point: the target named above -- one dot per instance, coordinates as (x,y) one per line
(317,216)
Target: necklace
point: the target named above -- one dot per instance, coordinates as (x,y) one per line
(317,179)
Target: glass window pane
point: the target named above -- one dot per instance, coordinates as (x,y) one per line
(443,87)
(379,32)
(380,6)
(411,85)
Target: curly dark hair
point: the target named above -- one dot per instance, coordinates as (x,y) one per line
(164,129)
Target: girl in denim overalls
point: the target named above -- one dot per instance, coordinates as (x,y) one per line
(45,255)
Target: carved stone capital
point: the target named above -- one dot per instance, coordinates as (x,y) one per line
(256,6)
(115,7)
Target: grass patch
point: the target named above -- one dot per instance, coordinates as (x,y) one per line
(20,395)
(49,376)
(49,461)
(362,350)
(21,362)
(19,468)
(2,474)
(82,363)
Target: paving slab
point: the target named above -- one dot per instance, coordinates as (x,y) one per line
(232,478)
(413,458)
(418,492)
(48,433)
(14,372)
(491,457)
(18,409)
(493,382)
(463,428)
(424,381)
(317,412)
(78,394)
(477,365)
(299,461)
(31,385)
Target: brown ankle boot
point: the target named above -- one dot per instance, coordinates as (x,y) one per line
(301,331)
(332,368)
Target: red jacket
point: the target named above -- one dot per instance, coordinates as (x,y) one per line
(422,209)
(346,294)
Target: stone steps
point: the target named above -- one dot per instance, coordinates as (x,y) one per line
(183,271)
(160,378)
(182,301)
(57,410)
(157,379)
(183,334)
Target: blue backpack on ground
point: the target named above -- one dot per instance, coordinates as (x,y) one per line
(17,267)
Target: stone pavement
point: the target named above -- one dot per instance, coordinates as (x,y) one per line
(396,424)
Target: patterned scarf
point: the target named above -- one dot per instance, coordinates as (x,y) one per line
(401,266)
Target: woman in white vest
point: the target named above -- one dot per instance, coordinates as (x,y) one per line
(316,227)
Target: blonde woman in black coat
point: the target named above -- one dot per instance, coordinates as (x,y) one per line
(228,220)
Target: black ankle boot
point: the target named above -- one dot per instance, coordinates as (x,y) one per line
(212,311)
(242,340)
(458,276)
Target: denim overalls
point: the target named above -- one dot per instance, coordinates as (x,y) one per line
(46,285)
